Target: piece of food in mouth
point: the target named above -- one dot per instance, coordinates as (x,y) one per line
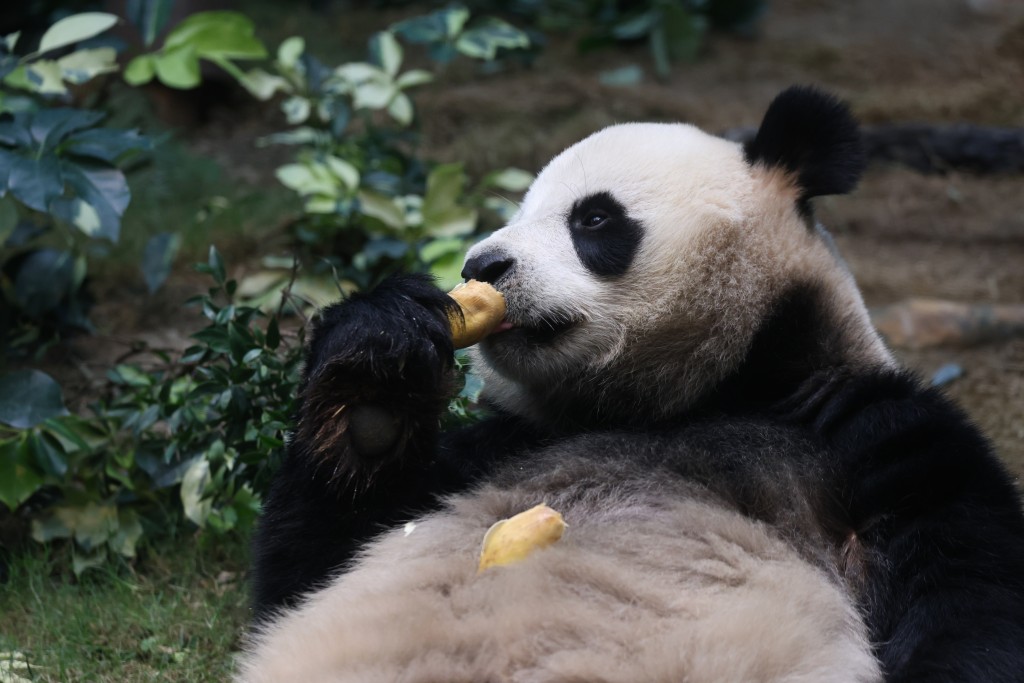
(514,539)
(483,310)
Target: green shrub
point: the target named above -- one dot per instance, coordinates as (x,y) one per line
(61,184)
(372,204)
(192,439)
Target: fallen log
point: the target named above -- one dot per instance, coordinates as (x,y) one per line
(935,149)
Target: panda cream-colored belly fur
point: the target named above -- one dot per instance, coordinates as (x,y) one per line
(642,587)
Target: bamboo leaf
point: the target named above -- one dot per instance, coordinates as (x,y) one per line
(27,397)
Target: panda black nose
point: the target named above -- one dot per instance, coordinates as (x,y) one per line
(487,267)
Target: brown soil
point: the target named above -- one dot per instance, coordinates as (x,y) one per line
(957,237)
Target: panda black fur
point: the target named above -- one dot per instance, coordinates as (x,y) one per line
(754,491)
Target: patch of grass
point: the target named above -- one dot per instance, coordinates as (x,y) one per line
(175,616)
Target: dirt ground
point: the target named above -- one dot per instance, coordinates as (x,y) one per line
(957,236)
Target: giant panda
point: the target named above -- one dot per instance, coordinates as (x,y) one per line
(754,490)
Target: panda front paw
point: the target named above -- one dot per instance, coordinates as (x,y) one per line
(378,375)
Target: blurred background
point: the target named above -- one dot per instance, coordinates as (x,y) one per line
(182,183)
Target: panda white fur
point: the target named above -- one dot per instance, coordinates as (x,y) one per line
(753,491)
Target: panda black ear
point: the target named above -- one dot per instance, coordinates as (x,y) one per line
(814,136)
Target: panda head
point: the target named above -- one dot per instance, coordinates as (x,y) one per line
(645,260)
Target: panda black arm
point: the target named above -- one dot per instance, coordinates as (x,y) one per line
(937,525)
(366,451)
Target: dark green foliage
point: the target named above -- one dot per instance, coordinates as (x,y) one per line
(196,435)
(674,30)
(194,438)
(62,190)
(191,439)
(56,161)
(371,201)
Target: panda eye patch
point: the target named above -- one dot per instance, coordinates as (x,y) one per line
(605,237)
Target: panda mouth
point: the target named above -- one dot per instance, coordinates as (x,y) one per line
(542,330)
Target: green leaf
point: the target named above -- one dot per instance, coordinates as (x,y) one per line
(442,216)
(18,480)
(216,264)
(82,561)
(27,397)
(34,182)
(72,432)
(447,270)
(359,72)
(451,222)
(85,218)
(381,207)
(343,171)
(178,68)
(17,78)
(84,65)
(263,86)
(289,51)
(509,179)
(454,18)
(425,29)
(215,338)
(106,144)
(296,109)
(373,95)
(104,188)
(43,279)
(129,531)
(435,249)
(93,524)
(10,41)
(50,127)
(483,41)
(400,109)
(74,29)
(197,476)
(246,506)
(12,103)
(386,52)
(45,77)
(140,70)
(48,454)
(308,179)
(413,78)
(224,34)
(444,187)
(157,257)
(129,375)
(54,524)
(16,130)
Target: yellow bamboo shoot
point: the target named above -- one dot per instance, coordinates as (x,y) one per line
(513,539)
(483,309)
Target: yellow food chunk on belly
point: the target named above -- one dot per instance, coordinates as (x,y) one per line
(513,539)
